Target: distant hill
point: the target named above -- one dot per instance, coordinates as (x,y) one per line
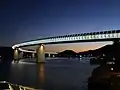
(67,53)
(109,50)
(112,50)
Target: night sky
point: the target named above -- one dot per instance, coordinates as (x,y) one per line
(22,20)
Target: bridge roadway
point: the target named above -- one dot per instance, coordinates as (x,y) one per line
(83,37)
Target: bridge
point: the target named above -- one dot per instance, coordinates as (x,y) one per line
(73,38)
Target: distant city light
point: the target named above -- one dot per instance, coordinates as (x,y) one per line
(113,58)
(103,54)
(111,69)
(110,62)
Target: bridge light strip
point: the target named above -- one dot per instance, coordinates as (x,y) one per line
(23,50)
(70,38)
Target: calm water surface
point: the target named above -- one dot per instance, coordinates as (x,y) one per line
(54,74)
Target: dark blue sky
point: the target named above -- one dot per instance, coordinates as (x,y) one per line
(22,20)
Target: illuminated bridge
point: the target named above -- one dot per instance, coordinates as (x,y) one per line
(73,38)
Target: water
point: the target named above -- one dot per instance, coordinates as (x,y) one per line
(54,74)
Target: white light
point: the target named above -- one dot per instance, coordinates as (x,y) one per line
(68,38)
(107,35)
(118,35)
(97,36)
(89,36)
(103,36)
(110,62)
(74,38)
(111,69)
(92,37)
(80,37)
(115,35)
(113,58)
(110,35)
(26,50)
(80,55)
(103,54)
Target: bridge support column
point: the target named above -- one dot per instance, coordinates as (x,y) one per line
(40,54)
(15,54)
(49,55)
(33,55)
(20,55)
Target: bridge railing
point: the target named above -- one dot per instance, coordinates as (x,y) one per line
(74,37)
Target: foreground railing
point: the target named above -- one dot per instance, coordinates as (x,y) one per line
(9,86)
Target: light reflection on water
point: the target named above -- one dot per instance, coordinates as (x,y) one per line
(42,75)
(54,74)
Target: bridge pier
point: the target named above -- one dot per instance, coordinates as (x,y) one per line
(33,55)
(40,54)
(20,55)
(49,55)
(16,54)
